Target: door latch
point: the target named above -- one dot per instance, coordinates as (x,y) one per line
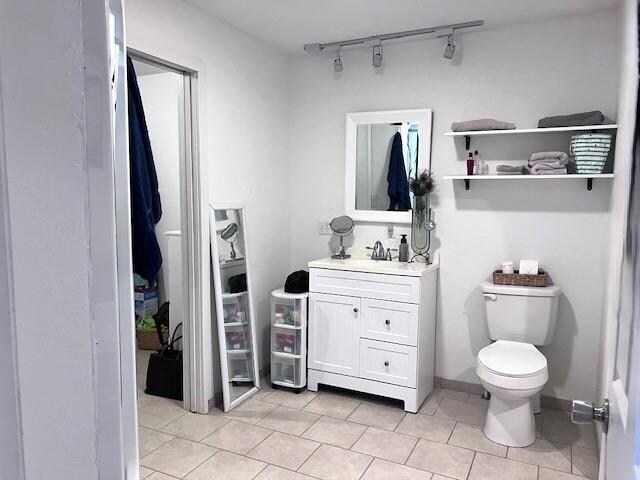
(586,412)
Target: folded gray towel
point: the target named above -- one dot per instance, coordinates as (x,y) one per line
(575,119)
(549,165)
(511,170)
(481,124)
(549,157)
(542,169)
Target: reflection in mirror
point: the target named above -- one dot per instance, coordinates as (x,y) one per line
(386,157)
(234,312)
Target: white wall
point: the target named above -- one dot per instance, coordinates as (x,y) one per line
(243,128)
(62,250)
(519,74)
(47,198)
(160,93)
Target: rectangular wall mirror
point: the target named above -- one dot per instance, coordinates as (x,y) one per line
(383,150)
(234,312)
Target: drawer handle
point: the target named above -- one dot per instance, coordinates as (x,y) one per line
(386,363)
(355,310)
(387,322)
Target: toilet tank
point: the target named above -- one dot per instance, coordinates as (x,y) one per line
(521,314)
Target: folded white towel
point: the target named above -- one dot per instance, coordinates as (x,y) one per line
(542,170)
(548,165)
(547,157)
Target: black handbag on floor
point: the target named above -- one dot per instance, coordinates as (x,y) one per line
(164,372)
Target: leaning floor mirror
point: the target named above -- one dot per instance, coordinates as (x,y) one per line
(234,308)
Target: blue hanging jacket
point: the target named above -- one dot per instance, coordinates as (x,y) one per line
(146,209)
(398,189)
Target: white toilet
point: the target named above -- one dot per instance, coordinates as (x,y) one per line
(512,369)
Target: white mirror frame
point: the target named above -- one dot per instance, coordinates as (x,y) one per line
(217,288)
(421,116)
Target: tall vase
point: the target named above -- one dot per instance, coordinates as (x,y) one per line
(421,226)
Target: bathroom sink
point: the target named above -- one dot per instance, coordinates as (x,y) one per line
(365,264)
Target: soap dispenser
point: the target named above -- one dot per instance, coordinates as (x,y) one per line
(404,249)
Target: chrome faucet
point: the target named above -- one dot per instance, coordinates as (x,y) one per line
(378,251)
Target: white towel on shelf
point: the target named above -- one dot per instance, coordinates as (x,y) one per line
(542,169)
(548,157)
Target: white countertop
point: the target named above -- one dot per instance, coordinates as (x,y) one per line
(366,265)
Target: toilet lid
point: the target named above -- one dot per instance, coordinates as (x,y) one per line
(512,359)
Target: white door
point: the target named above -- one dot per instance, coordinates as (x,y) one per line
(620,455)
(334,336)
(622,447)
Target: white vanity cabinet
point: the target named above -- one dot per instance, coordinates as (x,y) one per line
(372,327)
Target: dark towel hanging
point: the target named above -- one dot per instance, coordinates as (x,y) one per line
(146,209)
(398,190)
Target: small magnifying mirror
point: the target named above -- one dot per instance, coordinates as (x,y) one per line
(229,235)
(341,226)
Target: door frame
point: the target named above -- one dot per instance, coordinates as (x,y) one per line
(190,226)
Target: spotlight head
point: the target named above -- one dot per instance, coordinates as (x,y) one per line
(376,58)
(450,49)
(337,63)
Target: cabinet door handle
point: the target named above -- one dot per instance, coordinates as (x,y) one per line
(387,322)
(386,363)
(355,310)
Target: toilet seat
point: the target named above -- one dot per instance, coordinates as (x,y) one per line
(512,365)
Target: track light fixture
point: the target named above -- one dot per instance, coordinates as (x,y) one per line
(337,63)
(450,49)
(376,40)
(376,58)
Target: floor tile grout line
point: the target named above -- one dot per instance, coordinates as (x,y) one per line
(471,464)
(307,459)
(310,426)
(451,433)
(367,467)
(358,439)
(184,438)
(258,444)
(266,465)
(412,450)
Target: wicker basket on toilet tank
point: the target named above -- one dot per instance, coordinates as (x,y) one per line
(539,280)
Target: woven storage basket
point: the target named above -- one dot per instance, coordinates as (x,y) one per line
(148,339)
(539,280)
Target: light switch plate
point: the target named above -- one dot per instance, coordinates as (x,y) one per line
(324,228)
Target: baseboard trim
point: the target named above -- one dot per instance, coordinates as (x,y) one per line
(476,388)
(458,385)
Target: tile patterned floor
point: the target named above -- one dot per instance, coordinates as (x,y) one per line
(341,435)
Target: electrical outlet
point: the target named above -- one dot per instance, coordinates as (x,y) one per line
(324,228)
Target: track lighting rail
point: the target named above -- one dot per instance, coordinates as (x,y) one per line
(319,47)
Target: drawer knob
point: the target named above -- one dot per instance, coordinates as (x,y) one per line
(386,363)
(355,310)
(387,322)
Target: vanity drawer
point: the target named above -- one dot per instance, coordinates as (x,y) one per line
(396,288)
(388,362)
(389,321)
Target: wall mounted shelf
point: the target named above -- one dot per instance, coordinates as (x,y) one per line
(519,131)
(589,178)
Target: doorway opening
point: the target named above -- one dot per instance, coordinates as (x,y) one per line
(169,298)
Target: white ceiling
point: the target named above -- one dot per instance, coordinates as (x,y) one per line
(288,24)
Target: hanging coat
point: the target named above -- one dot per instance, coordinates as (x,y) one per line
(398,189)
(146,208)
